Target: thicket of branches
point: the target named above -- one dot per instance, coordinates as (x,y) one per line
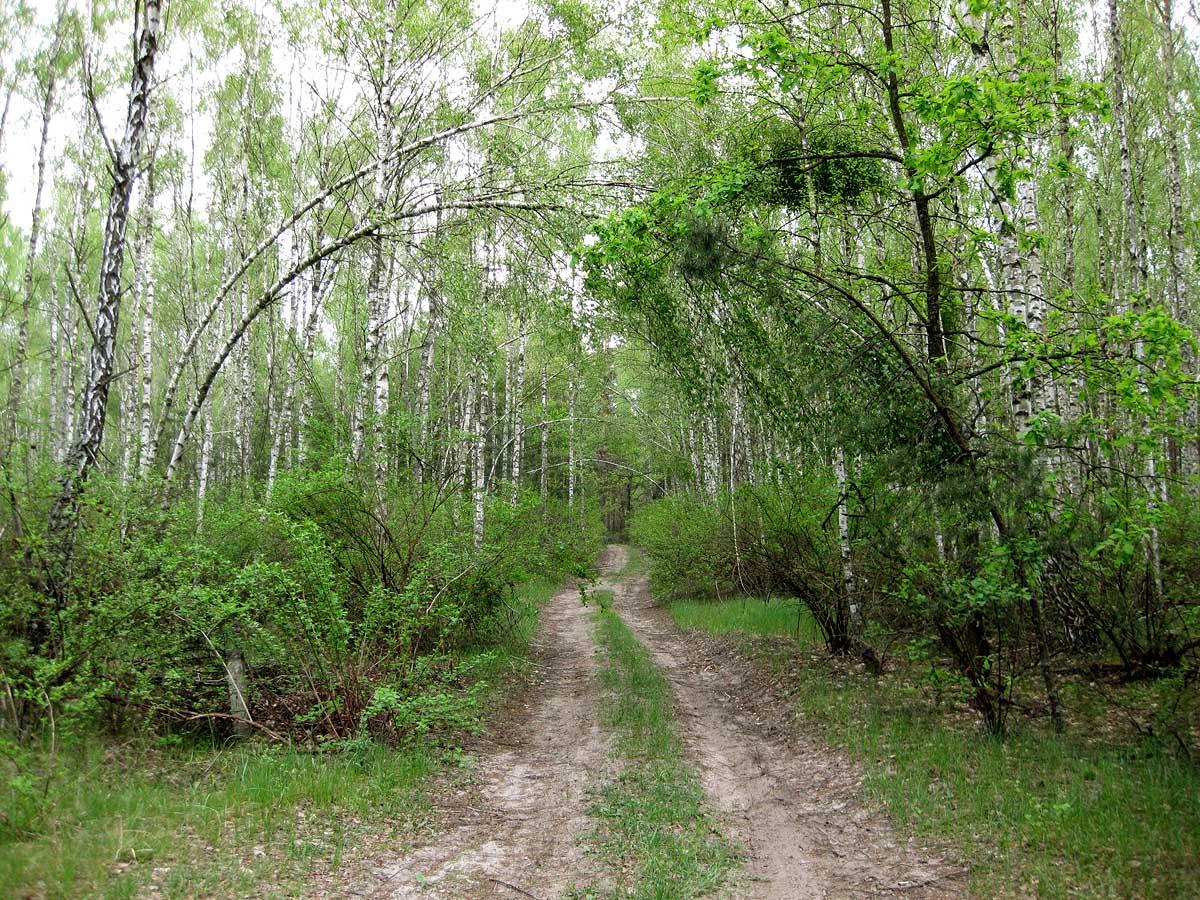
(925,271)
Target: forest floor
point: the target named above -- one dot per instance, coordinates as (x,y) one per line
(523,826)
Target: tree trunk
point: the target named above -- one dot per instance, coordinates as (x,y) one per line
(1117,78)
(571,461)
(319,282)
(94,412)
(848,582)
(283,426)
(1180,293)
(235,682)
(544,442)
(518,439)
(17,375)
(203,466)
(367,410)
(935,341)
(147,348)
(478,484)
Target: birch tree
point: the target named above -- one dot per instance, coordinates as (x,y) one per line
(126,157)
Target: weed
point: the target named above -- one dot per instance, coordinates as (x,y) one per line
(655,829)
(782,617)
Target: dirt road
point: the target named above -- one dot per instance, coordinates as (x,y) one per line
(789,805)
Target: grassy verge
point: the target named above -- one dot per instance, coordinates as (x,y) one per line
(778,617)
(655,829)
(1038,814)
(503,651)
(207,822)
(108,820)
(636,562)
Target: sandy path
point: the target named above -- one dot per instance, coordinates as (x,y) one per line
(791,806)
(520,835)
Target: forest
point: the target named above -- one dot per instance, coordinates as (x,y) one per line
(649,449)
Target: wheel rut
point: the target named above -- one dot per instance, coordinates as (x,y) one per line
(790,805)
(522,821)
(518,830)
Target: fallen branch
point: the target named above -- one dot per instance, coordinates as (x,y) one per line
(513,887)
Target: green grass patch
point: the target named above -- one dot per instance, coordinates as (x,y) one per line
(780,617)
(1038,814)
(637,562)
(655,829)
(107,822)
(1035,813)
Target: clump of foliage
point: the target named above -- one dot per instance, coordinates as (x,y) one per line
(827,165)
(347,621)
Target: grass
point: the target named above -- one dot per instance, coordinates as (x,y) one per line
(1037,814)
(655,830)
(636,562)
(202,822)
(777,617)
(109,821)
(502,651)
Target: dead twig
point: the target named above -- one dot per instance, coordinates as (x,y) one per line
(513,887)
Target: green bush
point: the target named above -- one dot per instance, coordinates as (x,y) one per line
(347,620)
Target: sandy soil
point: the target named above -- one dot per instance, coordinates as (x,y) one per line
(516,832)
(791,804)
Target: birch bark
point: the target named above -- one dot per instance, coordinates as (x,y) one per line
(1180,293)
(478,484)
(518,441)
(544,441)
(571,463)
(146,360)
(93,414)
(372,397)
(17,376)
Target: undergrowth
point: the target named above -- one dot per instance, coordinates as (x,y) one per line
(782,617)
(200,818)
(208,822)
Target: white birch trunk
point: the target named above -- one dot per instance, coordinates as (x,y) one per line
(17,373)
(235,683)
(544,441)
(712,458)
(571,463)
(203,465)
(292,342)
(518,439)
(504,414)
(1116,57)
(367,410)
(1180,287)
(697,466)
(382,390)
(734,423)
(94,412)
(147,334)
(848,581)
(241,405)
(478,485)
(319,282)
